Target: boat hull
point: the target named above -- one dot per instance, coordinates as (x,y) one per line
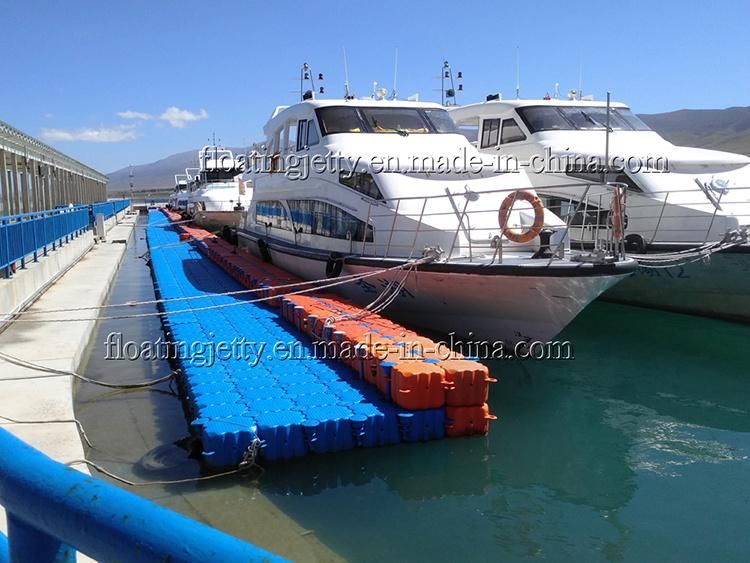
(719,288)
(487,307)
(217,220)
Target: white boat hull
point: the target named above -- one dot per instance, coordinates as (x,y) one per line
(486,308)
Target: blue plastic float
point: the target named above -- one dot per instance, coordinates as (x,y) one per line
(239,402)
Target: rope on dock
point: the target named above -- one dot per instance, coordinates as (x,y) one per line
(54,372)
(352,277)
(339,281)
(56,421)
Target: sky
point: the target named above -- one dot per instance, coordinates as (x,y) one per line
(129,82)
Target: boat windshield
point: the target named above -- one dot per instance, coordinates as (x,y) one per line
(403,121)
(221,175)
(441,121)
(571,118)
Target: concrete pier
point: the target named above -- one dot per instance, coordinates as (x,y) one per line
(24,396)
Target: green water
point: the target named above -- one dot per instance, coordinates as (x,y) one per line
(637,450)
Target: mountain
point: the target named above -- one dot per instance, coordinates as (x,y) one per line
(719,129)
(155,176)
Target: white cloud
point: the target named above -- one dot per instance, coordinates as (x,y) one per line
(101,135)
(130,114)
(180,117)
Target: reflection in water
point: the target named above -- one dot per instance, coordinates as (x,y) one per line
(617,455)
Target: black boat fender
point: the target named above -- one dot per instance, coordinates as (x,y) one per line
(334,265)
(265,253)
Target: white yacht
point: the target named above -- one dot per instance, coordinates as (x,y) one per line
(178,198)
(360,185)
(219,196)
(681,204)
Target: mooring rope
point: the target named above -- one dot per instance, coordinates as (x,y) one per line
(56,421)
(150,483)
(337,282)
(54,372)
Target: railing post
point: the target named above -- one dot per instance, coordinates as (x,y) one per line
(44,231)
(8,269)
(26,543)
(419,227)
(367,225)
(393,226)
(23,245)
(34,239)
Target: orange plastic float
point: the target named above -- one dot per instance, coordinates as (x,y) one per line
(418,385)
(468,421)
(470,383)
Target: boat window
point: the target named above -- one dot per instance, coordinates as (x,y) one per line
(395,120)
(594,175)
(542,118)
(326,220)
(339,120)
(587,215)
(633,120)
(441,121)
(593,118)
(291,140)
(312,133)
(272,214)
(490,133)
(301,134)
(363,182)
(220,175)
(511,132)
(570,118)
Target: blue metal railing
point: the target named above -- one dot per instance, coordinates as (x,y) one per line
(109,208)
(29,234)
(50,507)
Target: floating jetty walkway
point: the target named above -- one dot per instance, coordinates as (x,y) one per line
(288,401)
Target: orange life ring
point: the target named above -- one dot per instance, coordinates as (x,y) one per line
(618,209)
(504,214)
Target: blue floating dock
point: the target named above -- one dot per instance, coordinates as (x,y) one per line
(293,406)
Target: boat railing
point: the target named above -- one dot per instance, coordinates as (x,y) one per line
(588,206)
(404,228)
(53,510)
(29,235)
(658,201)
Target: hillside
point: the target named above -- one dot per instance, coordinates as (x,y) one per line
(155,176)
(719,129)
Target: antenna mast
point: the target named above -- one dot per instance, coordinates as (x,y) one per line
(448,95)
(394,93)
(305,74)
(347,91)
(518,75)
